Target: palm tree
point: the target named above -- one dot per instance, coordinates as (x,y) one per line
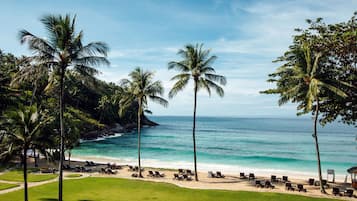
(196,64)
(63,50)
(302,81)
(138,91)
(23,126)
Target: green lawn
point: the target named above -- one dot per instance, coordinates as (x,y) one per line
(4,186)
(17,175)
(113,189)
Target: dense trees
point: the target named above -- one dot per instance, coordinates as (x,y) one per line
(319,74)
(196,64)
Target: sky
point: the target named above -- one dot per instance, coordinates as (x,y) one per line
(246,36)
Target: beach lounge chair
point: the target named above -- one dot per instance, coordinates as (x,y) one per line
(311,181)
(186,177)
(211,174)
(273,178)
(110,171)
(251,176)
(324,183)
(289,187)
(158,174)
(268,185)
(336,191)
(285,179)
(130,168)
(348,192)
(181,171)
(258,184)
(178,177)
(300,188)
(242,175)
(189,172)
(151,174)
(134,175)
(219,174)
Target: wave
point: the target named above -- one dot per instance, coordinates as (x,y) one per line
(102,138)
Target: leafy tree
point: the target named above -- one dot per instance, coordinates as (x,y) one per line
(301,80)
(196,63)
(63,50)
(23,126)
(139,90)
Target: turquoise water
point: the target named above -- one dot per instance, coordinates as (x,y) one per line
(233,144)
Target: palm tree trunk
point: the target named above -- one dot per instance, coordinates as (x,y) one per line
(139,131)
(25,173)
(317,146)
(194,131)
(60,178)
(69,158)
(35,157)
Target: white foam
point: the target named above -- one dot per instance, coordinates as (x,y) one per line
(102,138)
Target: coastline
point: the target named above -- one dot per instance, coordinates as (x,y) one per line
(205,167)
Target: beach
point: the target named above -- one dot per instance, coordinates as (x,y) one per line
(262,145)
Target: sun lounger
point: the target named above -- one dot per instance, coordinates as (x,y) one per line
(178,177)
(300,188)
(285,179)
(47,170)
(289,187)
(189,172)
(211,174)
(134,175)
(348,192)
(336,191)
(158,174)
(311,181)
(181,171)
(151,174)
(186,177)
(273,178)
(131,168)
(242,175)
(258,184)
(251,176)
(268,185)
(219,174)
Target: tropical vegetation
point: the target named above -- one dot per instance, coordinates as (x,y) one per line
(196,64)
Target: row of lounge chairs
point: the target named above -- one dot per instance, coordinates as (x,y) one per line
(299,187)
(187,172)
(338,191)
(114,166)
(48,170)
(90,163)
(155,174)
(134,168)
(264,184)
(217,175)
(182,177)
(108,171)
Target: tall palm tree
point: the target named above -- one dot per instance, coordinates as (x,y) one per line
(139,90)
(23,126)
(301,81)
(196,63)
(63,49)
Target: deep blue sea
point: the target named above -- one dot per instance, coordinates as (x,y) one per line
(233,145)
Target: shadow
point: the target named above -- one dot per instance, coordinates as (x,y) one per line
(49,199)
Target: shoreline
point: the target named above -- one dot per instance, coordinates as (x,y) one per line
(205,167)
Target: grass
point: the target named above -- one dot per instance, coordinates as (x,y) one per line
(4,186)
(73,175)
(17,175)
(114,189)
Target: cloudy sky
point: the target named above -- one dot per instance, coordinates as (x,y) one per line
(245,36)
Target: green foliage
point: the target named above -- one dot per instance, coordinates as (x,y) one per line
(114,189)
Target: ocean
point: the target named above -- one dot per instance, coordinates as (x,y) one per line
(269,145)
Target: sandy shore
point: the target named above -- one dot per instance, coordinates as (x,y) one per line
(229,182)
